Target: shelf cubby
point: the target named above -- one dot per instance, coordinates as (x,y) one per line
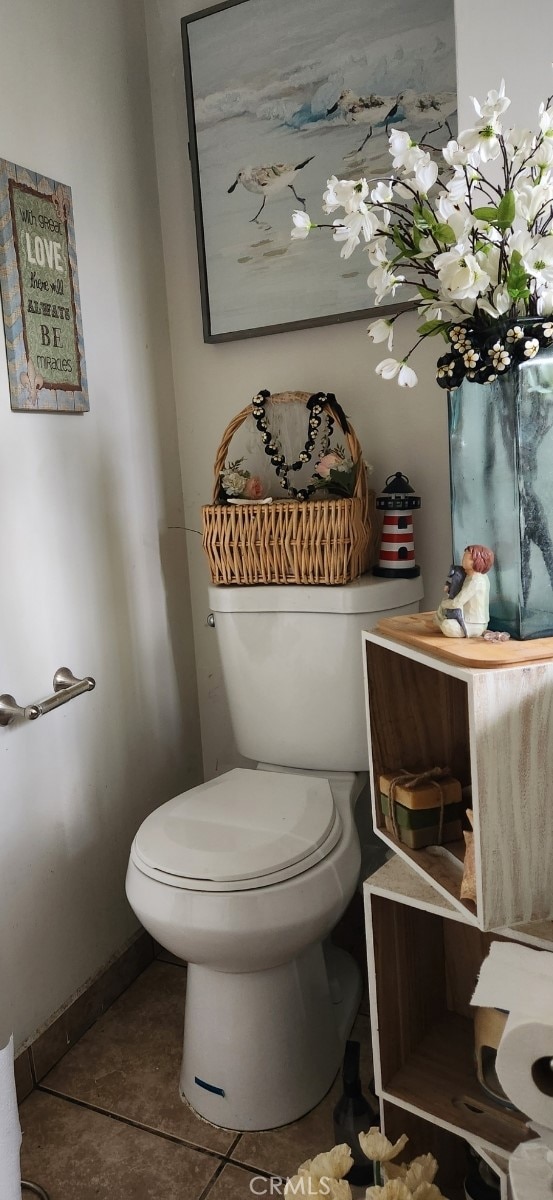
(424,960)
(493,727)
(449,1149)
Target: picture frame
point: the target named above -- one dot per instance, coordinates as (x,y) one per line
(39,286)
(280,97)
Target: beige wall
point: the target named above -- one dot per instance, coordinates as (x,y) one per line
(399,429)
(92,555)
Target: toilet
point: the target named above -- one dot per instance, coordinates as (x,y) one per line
(246,875)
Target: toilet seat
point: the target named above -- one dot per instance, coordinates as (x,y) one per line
(245,829)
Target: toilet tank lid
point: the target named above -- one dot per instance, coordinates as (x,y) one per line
(367,594)
(242,825)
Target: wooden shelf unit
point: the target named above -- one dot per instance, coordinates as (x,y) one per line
(494,729)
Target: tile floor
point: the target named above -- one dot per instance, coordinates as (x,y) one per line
(107,1122)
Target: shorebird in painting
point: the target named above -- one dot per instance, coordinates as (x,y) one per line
(266,181)
(367,110)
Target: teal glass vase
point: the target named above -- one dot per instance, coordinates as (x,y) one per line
(501,461)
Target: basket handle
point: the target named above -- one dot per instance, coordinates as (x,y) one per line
(360,487)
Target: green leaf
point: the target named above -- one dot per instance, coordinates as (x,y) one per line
(426,293)
(423,217)
(406,250)
(517,279)
(506,210)
(488,213)
(430,328)
(444,233)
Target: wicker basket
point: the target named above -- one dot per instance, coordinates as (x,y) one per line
(289,541)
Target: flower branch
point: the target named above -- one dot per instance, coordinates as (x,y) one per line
(476,267)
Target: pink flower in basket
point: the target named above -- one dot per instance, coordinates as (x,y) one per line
(329,462)
(254,488)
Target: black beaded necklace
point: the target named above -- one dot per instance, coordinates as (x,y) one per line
(315,407)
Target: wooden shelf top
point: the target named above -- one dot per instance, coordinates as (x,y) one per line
(419,631)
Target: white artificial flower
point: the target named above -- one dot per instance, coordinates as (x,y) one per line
(496,104)
(546,120)
(426,173)
(457,188)
(405,153)
(501,303)
(382,193)
(539,261)
(388,368)
(545,301)
(384,282)
(302,224)
(427,247)
(349,194)
(460,274)
(407,377)
(338,193)
(543,154)
(382,331)
(455,214)
(378,252)
(454,154)
(483,140)
(518,142)
(352,227)
(531,197)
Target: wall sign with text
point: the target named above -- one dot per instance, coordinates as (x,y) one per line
(40,294)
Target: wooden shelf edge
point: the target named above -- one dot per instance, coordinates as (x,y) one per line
(415,859)
(480,1144)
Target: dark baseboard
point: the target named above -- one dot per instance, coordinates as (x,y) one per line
(43,1051)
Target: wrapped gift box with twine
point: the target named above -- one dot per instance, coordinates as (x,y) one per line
(422,808)
(297,540)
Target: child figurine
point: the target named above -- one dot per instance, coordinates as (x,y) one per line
(465,611)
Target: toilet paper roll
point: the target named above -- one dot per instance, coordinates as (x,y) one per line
(524,1065)
(10,1129)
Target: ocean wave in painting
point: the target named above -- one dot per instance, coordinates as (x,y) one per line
(303,93)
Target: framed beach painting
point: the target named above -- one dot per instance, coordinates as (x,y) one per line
(281,96)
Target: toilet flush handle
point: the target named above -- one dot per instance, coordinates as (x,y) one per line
(211,620)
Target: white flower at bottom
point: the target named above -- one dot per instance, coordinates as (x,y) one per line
(420,1170)
(376,1146)
(332,1164)
(394,1190)
(302,224)
(381,331)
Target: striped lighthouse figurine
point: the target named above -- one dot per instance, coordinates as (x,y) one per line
(397,547)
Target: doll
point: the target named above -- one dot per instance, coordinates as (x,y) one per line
(465,611)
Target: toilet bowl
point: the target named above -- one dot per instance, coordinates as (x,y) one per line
(246,876)
(253,872)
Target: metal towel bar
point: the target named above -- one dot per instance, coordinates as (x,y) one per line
(35,1189)
(66,687)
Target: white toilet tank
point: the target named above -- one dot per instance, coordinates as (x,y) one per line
(293,671)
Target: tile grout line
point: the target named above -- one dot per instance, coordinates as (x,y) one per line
(224,1158)
(105,1112)
(210,1182)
